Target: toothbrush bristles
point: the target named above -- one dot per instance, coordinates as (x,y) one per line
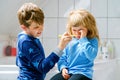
(70,35)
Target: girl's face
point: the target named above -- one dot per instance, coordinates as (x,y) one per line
(79,31)
(34,30)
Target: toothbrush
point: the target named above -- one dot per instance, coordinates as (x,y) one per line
(70,35)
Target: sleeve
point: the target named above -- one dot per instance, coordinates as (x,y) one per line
(90,47)
(37,58)
(62,63)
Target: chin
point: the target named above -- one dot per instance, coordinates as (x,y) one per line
(78,37)
(38,36)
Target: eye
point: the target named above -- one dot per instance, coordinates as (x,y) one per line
(36,27)
(74,30)
(80,29)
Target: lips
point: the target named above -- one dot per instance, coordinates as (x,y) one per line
(78,37)
(39,33)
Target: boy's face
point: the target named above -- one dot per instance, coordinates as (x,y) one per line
(79,31)
(34,30)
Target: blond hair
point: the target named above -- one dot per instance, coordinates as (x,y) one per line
(83,18)
(29,13)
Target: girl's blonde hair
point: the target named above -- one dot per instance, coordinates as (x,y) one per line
(83,18)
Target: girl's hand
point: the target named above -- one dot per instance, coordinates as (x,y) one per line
(83,32)
(65,38)
(65,74)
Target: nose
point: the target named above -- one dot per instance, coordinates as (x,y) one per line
(41,28)
(77,33)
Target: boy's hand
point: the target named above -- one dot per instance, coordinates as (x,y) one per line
(65,38)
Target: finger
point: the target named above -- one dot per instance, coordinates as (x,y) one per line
(64,34)
(67,39)
(83,33)
(66,76)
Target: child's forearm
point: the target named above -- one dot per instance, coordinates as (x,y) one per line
(58,51)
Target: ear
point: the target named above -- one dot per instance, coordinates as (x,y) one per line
(23,27)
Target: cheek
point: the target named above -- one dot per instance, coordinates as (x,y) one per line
(76,32)
(73,32)
(86,31)
(34,31)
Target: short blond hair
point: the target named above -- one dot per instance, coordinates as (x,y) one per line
(29,13)
(86,19)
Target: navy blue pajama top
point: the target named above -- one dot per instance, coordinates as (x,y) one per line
(31,58)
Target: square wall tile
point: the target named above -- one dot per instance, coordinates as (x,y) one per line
(99,8)
(113,8)
(102,27)
(49,7)
(65,7)
(49,44)
(62,25)
(84,4)
(114,28)
(116,43)
(50,28)
(3,44)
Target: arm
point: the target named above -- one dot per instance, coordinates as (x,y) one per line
(62,63)
(90,47)
(37,59)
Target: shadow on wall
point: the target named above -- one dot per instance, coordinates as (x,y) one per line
(9,51)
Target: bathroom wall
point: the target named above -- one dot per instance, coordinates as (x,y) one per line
(106,12)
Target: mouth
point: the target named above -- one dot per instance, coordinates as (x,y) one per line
(78,37)
(39,33)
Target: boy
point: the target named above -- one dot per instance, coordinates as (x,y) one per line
(30,57)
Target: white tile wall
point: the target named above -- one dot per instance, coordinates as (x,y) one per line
(113,8)
(106,12)
(116,47)
(118,69)
(102,27)
(82,4)
(65,7)
(50,8)
(107,22)
(3,42)
(62,25)
(49,45)
(99,8)
(114,28)
(50,28)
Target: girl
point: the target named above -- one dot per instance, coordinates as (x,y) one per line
(77,61)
